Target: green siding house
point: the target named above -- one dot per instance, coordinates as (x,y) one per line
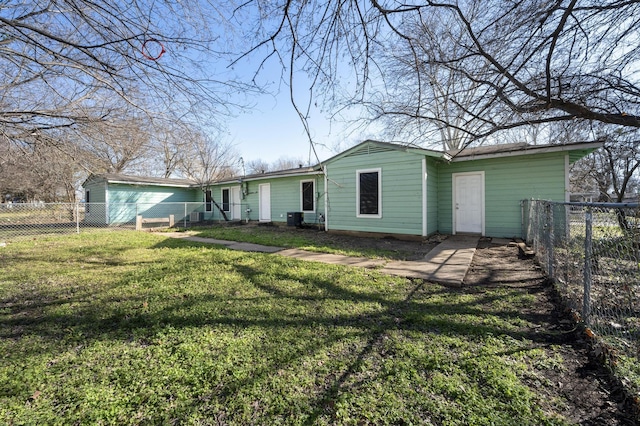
(421,192)
(378,187)
(117,199)
(270,197)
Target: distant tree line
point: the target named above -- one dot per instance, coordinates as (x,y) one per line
(146,86)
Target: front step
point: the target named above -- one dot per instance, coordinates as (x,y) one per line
(524,249)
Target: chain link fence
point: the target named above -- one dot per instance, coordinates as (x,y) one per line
(30,220)
(592,252)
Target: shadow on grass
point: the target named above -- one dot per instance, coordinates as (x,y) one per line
(98,316)
(260,291)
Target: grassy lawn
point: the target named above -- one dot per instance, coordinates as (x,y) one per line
(132,328)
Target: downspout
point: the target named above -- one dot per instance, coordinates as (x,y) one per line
(316,198)
(567,194)
(567,182)
(326,199)
(106,202)
(424,197)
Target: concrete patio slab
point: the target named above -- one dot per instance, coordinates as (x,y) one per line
(450,260)
(335,259)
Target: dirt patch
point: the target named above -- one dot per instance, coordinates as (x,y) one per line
(581,389)
(396,248)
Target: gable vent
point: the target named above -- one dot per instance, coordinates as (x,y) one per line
(369,149)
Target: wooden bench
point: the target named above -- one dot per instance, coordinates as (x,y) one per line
(144,220)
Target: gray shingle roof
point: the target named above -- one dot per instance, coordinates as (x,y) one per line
(142,180)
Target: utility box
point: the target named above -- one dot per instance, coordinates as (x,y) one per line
(295,219)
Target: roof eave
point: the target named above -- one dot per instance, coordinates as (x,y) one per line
(173,185)
(273,175)
(542,149)
(113,180)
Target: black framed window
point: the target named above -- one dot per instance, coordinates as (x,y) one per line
(225,199)
(208,200)
(87,200)
(369,193)
(308,196)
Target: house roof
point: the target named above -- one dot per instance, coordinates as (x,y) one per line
(373,146)
(141,180)
(298,171)
(576,150)
(488,149)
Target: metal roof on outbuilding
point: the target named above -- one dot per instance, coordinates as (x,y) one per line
(141,180)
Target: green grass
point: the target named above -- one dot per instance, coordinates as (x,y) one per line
(19,214)
(271,237)
(133,328)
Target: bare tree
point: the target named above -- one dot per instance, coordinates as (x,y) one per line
(65,63)
(257,166)
(171,143)
(37,172)
(518,63)
(109,85)
(282,163)
(614,168)
(421,102)
(209,160)
(115,146)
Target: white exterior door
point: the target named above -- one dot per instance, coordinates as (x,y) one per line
(236,203)
(468,202)
(264,203)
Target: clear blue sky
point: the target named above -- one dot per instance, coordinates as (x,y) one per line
(273,130)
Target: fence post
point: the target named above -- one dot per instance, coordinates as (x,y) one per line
(534,225)
(77,208)
(539,227)
(550,237)
(185,215)
(523,221)
(588,254)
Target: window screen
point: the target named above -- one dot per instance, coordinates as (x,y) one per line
(225,199)
(369,193)
(207,196)
(308,197)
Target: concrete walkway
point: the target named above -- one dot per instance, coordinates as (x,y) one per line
(447,263)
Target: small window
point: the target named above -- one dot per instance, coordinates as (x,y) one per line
(87,200)
(225,199)
(207,197)
(308,196)
(369,193)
